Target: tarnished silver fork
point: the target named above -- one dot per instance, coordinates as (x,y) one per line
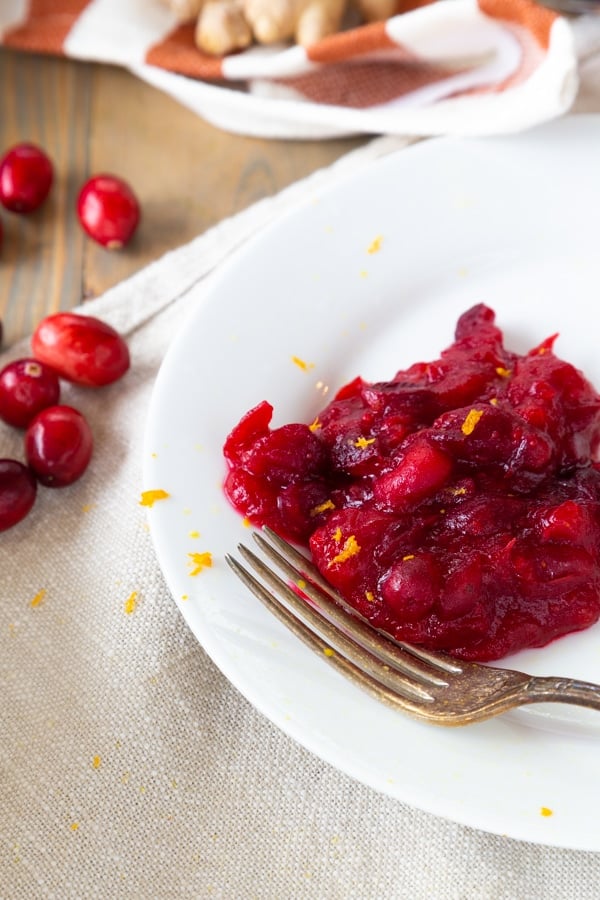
(430,686)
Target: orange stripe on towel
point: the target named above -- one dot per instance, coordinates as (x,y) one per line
(538,20)
(349,44)
(178,53)
(46,27)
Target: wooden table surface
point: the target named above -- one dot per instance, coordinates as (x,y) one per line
(187,174)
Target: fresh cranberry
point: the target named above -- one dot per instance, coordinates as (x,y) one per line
(58,445)
(26,387)
(26,175)
(17,492)
(81,349)
(108,211)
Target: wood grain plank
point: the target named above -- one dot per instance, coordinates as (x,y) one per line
(187,174)
(46,101)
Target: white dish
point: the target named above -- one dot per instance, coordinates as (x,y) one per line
(511,222)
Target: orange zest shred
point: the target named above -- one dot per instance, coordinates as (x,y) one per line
(38,599)
(473,417)
(96,762)
(302,364)
(337,535)
(545,811)
(375,245)
(370,596)
(408,556)
(149,498)
(315,424)
(363,442)
(328,651)
(458,492)
(131,603)
(494,401)
(322,507)
(351,548)
(502,372)
(199,561)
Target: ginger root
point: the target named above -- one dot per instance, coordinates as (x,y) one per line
(224,26)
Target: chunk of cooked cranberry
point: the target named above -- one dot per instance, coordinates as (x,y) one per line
(417,403)
(412,586)
(303,507)
(286,454)
(493,437)
(571,522)
(555,396)
(477,323)
(551,570)
(481,515)
(253,497)
(343,548)
(353,453)
(342,416)
(421,471)
(463,587)
(254,424)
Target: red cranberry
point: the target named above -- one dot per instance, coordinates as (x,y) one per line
(412,587)
(108,211)
(26,175)
(59,445)
(17,492)
(80,348)
(421,472)
(26,387)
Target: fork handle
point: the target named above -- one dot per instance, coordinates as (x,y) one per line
(542,689)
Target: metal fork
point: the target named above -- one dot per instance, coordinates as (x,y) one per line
(430,686)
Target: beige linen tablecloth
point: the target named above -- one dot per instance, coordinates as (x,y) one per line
(129,766)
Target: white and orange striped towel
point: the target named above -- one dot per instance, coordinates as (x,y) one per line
(466,67)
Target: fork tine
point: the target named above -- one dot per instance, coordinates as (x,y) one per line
(293,562)
(353,624)
(307,624)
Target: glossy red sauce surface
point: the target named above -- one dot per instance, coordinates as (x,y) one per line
(456,506)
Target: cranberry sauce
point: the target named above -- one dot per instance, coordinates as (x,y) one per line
(456,506)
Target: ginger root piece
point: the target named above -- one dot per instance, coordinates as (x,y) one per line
(185,10)
(224,26)
(376,10)
(303,21)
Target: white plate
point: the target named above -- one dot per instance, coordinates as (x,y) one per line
(512,222)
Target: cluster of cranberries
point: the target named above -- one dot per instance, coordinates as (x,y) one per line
(58,440)
(107,208)
(456,506)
